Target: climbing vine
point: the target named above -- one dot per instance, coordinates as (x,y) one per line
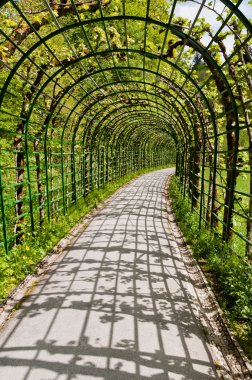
(93,90)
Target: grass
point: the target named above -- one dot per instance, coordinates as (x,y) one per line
(23,259)
(241,205)
(229,273)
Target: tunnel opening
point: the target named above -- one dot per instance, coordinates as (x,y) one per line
(94,90)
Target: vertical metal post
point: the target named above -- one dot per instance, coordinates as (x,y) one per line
(182,156)
(233,180)
(212,221)
(185,169)
(103,166)
(73,172)
(91,169)
(107,163)
(3,214)
(84,173)
(119,163)
(131,160)
(202,182)
(192,174)
(123,162)
(177,163)
(98,167)
(141,155)
(47,179)
(62,178)
(29,181)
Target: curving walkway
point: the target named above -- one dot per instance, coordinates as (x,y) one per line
(117,305)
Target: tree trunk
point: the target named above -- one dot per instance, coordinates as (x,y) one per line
(22,31)
(249,132)
(241,97)
(231,137)
(231,154)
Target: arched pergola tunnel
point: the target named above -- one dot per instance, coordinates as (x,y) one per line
(94,90)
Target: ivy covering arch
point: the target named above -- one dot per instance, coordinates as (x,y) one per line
(92,90)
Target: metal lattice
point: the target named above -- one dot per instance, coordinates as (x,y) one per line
(92,90)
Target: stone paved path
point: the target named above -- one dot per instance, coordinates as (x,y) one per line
(118,305)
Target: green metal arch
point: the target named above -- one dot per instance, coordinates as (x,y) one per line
(122,117)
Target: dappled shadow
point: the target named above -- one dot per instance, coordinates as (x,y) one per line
(119,305)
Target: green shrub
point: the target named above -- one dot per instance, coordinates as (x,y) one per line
(231,271)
